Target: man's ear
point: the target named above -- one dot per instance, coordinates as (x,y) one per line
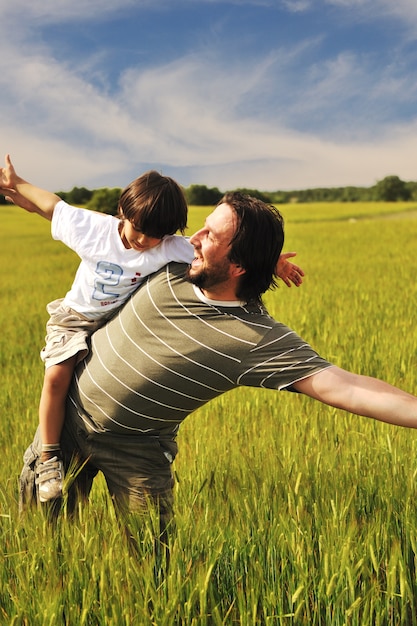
(237,270)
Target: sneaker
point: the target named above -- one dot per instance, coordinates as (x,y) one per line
(50,476)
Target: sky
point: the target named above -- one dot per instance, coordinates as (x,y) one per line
(261,94)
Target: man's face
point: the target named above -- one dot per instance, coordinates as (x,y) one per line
(211,267)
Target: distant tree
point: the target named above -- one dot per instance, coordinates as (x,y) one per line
(350,194)
(200,195)
(278,197)
(105,201)
(412,190)
(255,193)
(391,189)
(79,195)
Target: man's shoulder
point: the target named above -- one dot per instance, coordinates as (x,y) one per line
(173,268)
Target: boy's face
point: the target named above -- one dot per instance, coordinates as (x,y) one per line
(133,238)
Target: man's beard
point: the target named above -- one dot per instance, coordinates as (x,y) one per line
(206,278)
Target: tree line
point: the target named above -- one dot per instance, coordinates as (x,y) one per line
(389,189)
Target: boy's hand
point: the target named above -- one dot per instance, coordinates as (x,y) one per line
(24,194)
(8,182)
(8,178)
(289,272)
(16,198)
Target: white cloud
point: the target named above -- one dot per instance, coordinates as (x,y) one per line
(77,135)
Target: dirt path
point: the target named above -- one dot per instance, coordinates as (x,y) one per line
(399,215)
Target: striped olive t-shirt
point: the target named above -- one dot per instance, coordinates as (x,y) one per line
(167,352)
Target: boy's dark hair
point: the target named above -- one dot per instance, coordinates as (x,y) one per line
(256,244)
(154,204)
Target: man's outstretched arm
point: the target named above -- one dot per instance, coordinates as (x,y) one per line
(361,395)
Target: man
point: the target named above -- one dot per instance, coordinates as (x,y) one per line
(186,336)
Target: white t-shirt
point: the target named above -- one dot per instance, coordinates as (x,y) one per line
(108,272)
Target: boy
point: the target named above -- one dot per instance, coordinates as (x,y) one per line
(117,253)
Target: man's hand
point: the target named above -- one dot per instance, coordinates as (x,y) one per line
(289,272)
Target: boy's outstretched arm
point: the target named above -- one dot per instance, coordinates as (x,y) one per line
(22,193)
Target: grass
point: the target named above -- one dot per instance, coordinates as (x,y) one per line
(287,511)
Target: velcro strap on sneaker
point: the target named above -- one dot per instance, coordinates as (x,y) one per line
(47,471)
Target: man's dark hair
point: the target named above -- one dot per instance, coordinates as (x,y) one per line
(154,204)
(256,244)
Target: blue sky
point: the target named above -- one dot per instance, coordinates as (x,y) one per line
(267,94)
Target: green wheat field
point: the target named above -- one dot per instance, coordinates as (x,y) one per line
(288,512)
